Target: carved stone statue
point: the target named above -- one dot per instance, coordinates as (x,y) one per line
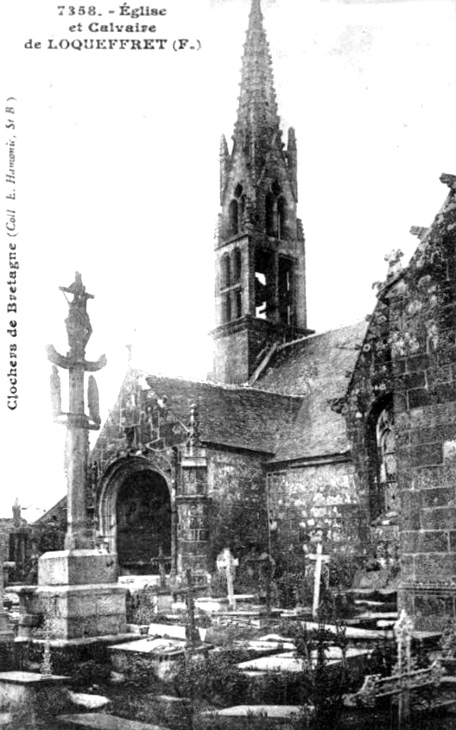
(16,513)
(78,324)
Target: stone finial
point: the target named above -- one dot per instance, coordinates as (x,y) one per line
(16,513)
(194,435)
(292,159)
(394,262)
(419,231)
(224,162)
(449,180)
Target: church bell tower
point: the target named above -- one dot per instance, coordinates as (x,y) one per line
(260,290)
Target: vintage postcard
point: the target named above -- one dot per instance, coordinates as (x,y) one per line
(227,320)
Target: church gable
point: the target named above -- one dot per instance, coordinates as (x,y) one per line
(239,418)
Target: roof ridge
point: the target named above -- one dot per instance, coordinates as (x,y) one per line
(230,387)
(324,332)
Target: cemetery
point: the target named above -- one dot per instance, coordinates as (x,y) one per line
(227,661)
(85,647)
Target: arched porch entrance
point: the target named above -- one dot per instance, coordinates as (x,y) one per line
(136,512)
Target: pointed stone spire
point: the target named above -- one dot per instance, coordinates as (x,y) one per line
(257,119)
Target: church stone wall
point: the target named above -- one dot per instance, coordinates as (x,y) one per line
(236,487)
(409,356)
(424,313)
(303,501)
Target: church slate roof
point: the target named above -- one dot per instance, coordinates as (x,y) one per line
(287,413)
(316,369)
(238,417)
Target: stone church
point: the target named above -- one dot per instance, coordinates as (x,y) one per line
(348,436)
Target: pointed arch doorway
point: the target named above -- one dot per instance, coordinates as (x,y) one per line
(137,516)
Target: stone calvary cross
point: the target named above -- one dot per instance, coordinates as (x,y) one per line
(6,633)
(226,562)
(79,330)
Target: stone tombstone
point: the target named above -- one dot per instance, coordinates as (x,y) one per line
(227,564)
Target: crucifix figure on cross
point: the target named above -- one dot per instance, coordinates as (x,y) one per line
(226,562)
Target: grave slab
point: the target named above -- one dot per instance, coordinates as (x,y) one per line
(90,702)
(151,645)
(163,655)
(37,692)
(173,631)
(288,662)
(136,582)
(257,646)
(105,722)
(276,711)
(351,632)
(160,653)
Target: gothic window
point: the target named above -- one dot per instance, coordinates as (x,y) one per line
(281,217)
(230,284)
(270,217)
(385,497)
(237,304)
(236,211)
(264,277)
(286,290)
(275,211)
(234,217)
(226,307)
(237,265)
(226,271)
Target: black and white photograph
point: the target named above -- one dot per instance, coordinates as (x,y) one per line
(228,491)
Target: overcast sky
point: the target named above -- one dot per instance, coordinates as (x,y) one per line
(117,177)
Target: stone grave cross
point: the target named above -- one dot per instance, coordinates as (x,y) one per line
(162,567)
(191,631)
(404,678)
(403,629)
(226,562)
(320,559)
